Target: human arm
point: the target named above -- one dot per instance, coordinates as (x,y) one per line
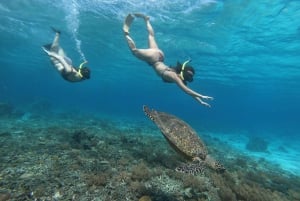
(67,65)
(190,92)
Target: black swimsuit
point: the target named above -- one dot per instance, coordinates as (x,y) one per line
(163,75)
(66,75)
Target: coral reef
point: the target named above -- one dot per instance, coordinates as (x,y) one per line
(88,158)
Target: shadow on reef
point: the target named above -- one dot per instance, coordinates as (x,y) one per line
(88,158)
(257,144)
(8,110)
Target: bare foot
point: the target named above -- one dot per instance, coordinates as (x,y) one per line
(127,23)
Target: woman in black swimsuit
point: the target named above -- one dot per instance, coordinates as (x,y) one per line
(155,57)
(63,63)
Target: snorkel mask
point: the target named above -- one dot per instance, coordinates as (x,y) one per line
(84,72)
(187,72)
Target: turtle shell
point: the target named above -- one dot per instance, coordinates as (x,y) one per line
(181,136)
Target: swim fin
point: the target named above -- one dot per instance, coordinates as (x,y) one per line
(47,46)
(56,30)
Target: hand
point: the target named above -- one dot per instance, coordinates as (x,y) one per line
(48,52)
(207,97)
(205,104)
(202,102)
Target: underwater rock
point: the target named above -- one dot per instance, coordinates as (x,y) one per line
(5,134)
(81,140)
(26,176)
(257,144)
(145,198)
(57,196)
(188,192)
(4,196)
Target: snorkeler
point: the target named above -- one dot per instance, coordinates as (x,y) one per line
(181,74)
(64,64)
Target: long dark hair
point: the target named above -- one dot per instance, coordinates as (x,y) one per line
(186,74)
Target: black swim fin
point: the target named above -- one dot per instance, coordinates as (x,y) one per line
(56,30)
(48,46)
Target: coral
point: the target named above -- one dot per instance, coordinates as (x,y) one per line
(294,195)
(226,193)
(99,179)
(256,193)
(124,161)
(197,183)
(241,162)
(123,176)
(140,172)
(164,183)
(82,140)
(257,144)
(46,159)
(145,198)
(223,183)
(137,188)
(4,196)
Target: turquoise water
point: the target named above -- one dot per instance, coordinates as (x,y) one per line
(245,53)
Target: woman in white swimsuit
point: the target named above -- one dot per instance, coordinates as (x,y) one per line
(155,57)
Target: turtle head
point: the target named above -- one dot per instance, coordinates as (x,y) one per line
(219,167)
(214,164)
(148,112)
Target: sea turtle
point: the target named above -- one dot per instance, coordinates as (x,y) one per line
(184,139)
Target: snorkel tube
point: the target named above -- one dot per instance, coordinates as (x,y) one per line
(80,67)
(182,68)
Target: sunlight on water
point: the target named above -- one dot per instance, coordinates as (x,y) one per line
(159,8)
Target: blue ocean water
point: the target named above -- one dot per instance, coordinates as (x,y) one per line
(246,55)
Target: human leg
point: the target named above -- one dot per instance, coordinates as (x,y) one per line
(151,39)
(55,44)
(130,43)
(127,24)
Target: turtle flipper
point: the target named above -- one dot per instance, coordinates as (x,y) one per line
(148,112)
(214,164)
(192,168)
(219,167)
(56,30)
